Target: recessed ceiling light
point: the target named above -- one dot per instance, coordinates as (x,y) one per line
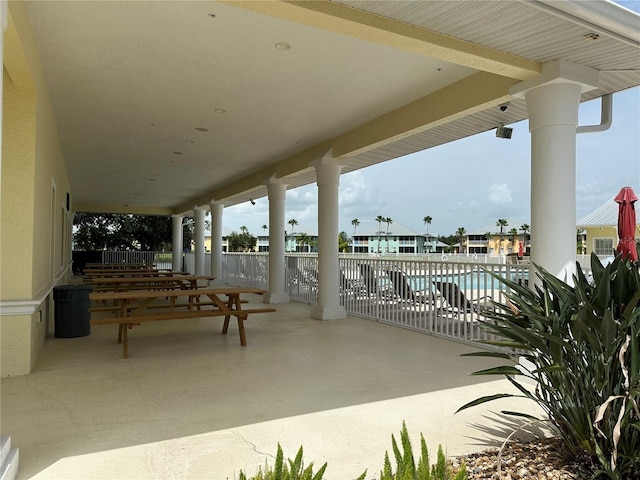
(591,36)
(189,141)
(220,110)
(283,46)
(178,153)
(151,179)
(201,129)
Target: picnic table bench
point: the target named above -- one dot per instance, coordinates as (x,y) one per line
(129,314)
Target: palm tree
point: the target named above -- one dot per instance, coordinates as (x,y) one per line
(427,222)
(514,237)
(460,232)
(502,222)
(343,242)
(525,228)
(293,222)
(264,228)
(487,235)
(355,222)
(379,219)
(303,239)
(388,221)
(244,230)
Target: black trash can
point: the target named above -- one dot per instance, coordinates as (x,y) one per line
(72,316)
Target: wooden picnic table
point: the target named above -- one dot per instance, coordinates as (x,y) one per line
(130,313)
(166,282)
(98,274)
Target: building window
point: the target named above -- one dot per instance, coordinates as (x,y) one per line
(603,246)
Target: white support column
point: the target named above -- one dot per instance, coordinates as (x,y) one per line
(200,214)
(277,193)
(552,102)
(216,242)
(328,308)
(176,243)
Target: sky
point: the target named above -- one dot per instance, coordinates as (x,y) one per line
(494,184)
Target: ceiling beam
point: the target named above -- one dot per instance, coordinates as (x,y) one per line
(116,208)
(465,97)
(355,23)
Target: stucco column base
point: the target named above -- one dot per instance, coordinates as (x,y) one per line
(329,313)
(276,297)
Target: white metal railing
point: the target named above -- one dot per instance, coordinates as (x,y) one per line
(439,298)
(246,269)
(443,298)
(153,259)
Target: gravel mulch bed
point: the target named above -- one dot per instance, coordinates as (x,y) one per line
(535,460)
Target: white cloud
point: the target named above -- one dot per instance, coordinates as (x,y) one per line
(500,194)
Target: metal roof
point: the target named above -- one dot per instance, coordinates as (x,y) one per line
(606,215)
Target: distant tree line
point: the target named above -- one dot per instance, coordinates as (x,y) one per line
(117,231)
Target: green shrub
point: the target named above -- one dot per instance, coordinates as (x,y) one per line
(584,343)
(294,471)
(406,468)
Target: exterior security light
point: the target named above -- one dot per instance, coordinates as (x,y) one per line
(503,132)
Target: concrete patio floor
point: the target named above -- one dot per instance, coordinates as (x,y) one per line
(191,403)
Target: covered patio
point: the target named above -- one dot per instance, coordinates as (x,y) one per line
(181,108)
(192,403)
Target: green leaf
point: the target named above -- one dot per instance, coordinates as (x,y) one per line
(502,370)
(550,368)
(485,399)
(278,469)
(320,474)
(362,476)
(487,354)
(296,465)
(519,414)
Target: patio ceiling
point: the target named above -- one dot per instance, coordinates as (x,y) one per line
(162,106)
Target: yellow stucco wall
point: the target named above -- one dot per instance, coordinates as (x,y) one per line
(600,232)
(34,233)
(18,165)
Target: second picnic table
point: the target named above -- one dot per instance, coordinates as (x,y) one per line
(130,313)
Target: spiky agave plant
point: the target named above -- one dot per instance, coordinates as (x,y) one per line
(584,343)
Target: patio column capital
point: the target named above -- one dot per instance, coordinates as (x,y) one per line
(559,72)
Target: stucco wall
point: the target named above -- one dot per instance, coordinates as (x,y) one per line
(18,165)
(34,234)
(600,232)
